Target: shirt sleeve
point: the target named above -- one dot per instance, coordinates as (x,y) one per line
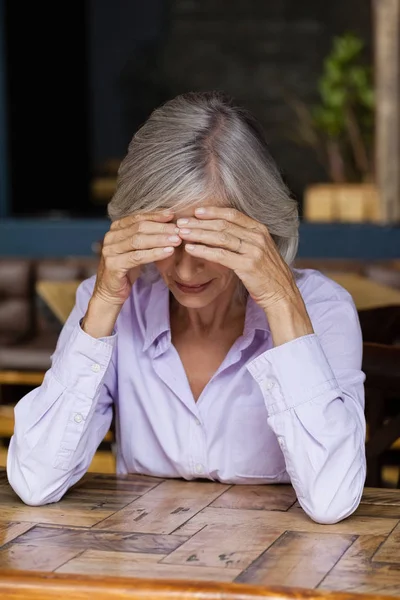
(313,388)
(59,425)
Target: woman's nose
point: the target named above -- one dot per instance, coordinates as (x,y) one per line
(186,266)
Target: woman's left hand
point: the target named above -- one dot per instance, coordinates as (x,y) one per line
(234,240)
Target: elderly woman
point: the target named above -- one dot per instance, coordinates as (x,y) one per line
(220,361)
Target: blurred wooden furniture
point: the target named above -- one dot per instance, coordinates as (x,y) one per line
(154,529)
(365,292)
(388,276)
(28,328)
(31,378)
(381,364)
(59,296)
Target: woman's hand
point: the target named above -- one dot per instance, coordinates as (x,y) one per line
(133,241)
(232,239)
(236,241)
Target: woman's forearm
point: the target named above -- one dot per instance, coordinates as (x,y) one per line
(288,319)
(100,318)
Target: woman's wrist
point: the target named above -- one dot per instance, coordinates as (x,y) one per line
(288,320)
(100,318)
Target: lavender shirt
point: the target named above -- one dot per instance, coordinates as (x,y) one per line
(293,413)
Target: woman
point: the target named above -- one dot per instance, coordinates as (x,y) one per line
(220,361)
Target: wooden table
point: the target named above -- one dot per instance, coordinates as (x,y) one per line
(169,530)
(60,295)
(366,293)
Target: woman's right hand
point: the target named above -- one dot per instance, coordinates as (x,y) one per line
(131,242)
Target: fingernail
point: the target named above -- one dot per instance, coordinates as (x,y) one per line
(190,246)
(182,222)
(174,238)
(184,231)
(168,249)
(200,211)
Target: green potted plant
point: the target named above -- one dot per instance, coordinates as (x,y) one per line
(340,128)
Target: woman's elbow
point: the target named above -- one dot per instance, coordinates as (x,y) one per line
(328,509)
(329,516)
(26,484)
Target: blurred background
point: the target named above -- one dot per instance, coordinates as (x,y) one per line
(78,79)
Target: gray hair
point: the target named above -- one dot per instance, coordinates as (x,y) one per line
(200,146)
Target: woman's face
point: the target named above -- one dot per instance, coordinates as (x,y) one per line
(194,282)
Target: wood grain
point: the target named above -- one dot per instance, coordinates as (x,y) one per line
(91,539)
(292,520)
(257,497)
(356,572)
(30,558)
(44,586)
(217,546)
(298,559)
(94,562)
(165,508)
(389,551)
(9,531)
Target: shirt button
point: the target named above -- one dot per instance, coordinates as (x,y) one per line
(199,468)
(78,418)
(96,368)
(197,422)
(268,385)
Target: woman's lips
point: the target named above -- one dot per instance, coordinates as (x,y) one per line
(192,289)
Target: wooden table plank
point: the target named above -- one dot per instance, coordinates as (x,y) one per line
(257,497)
(291,520)
(217,546)
(298,559)
(389,551)
(165,508)
(91,539)
(93,562)
(356,572)
(31,558)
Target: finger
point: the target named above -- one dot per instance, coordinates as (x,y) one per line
(219,239)
(128,221)
(140,228)
(221,256)
(222,226)
(135,258)
(227,214)
(142,242)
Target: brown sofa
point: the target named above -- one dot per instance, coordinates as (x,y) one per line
(28,329)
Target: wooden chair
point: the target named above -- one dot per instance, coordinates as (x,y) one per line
(381,364)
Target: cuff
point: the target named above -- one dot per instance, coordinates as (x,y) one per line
(82,362)
(293,373)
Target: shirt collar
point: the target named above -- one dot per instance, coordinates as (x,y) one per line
(157,318)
